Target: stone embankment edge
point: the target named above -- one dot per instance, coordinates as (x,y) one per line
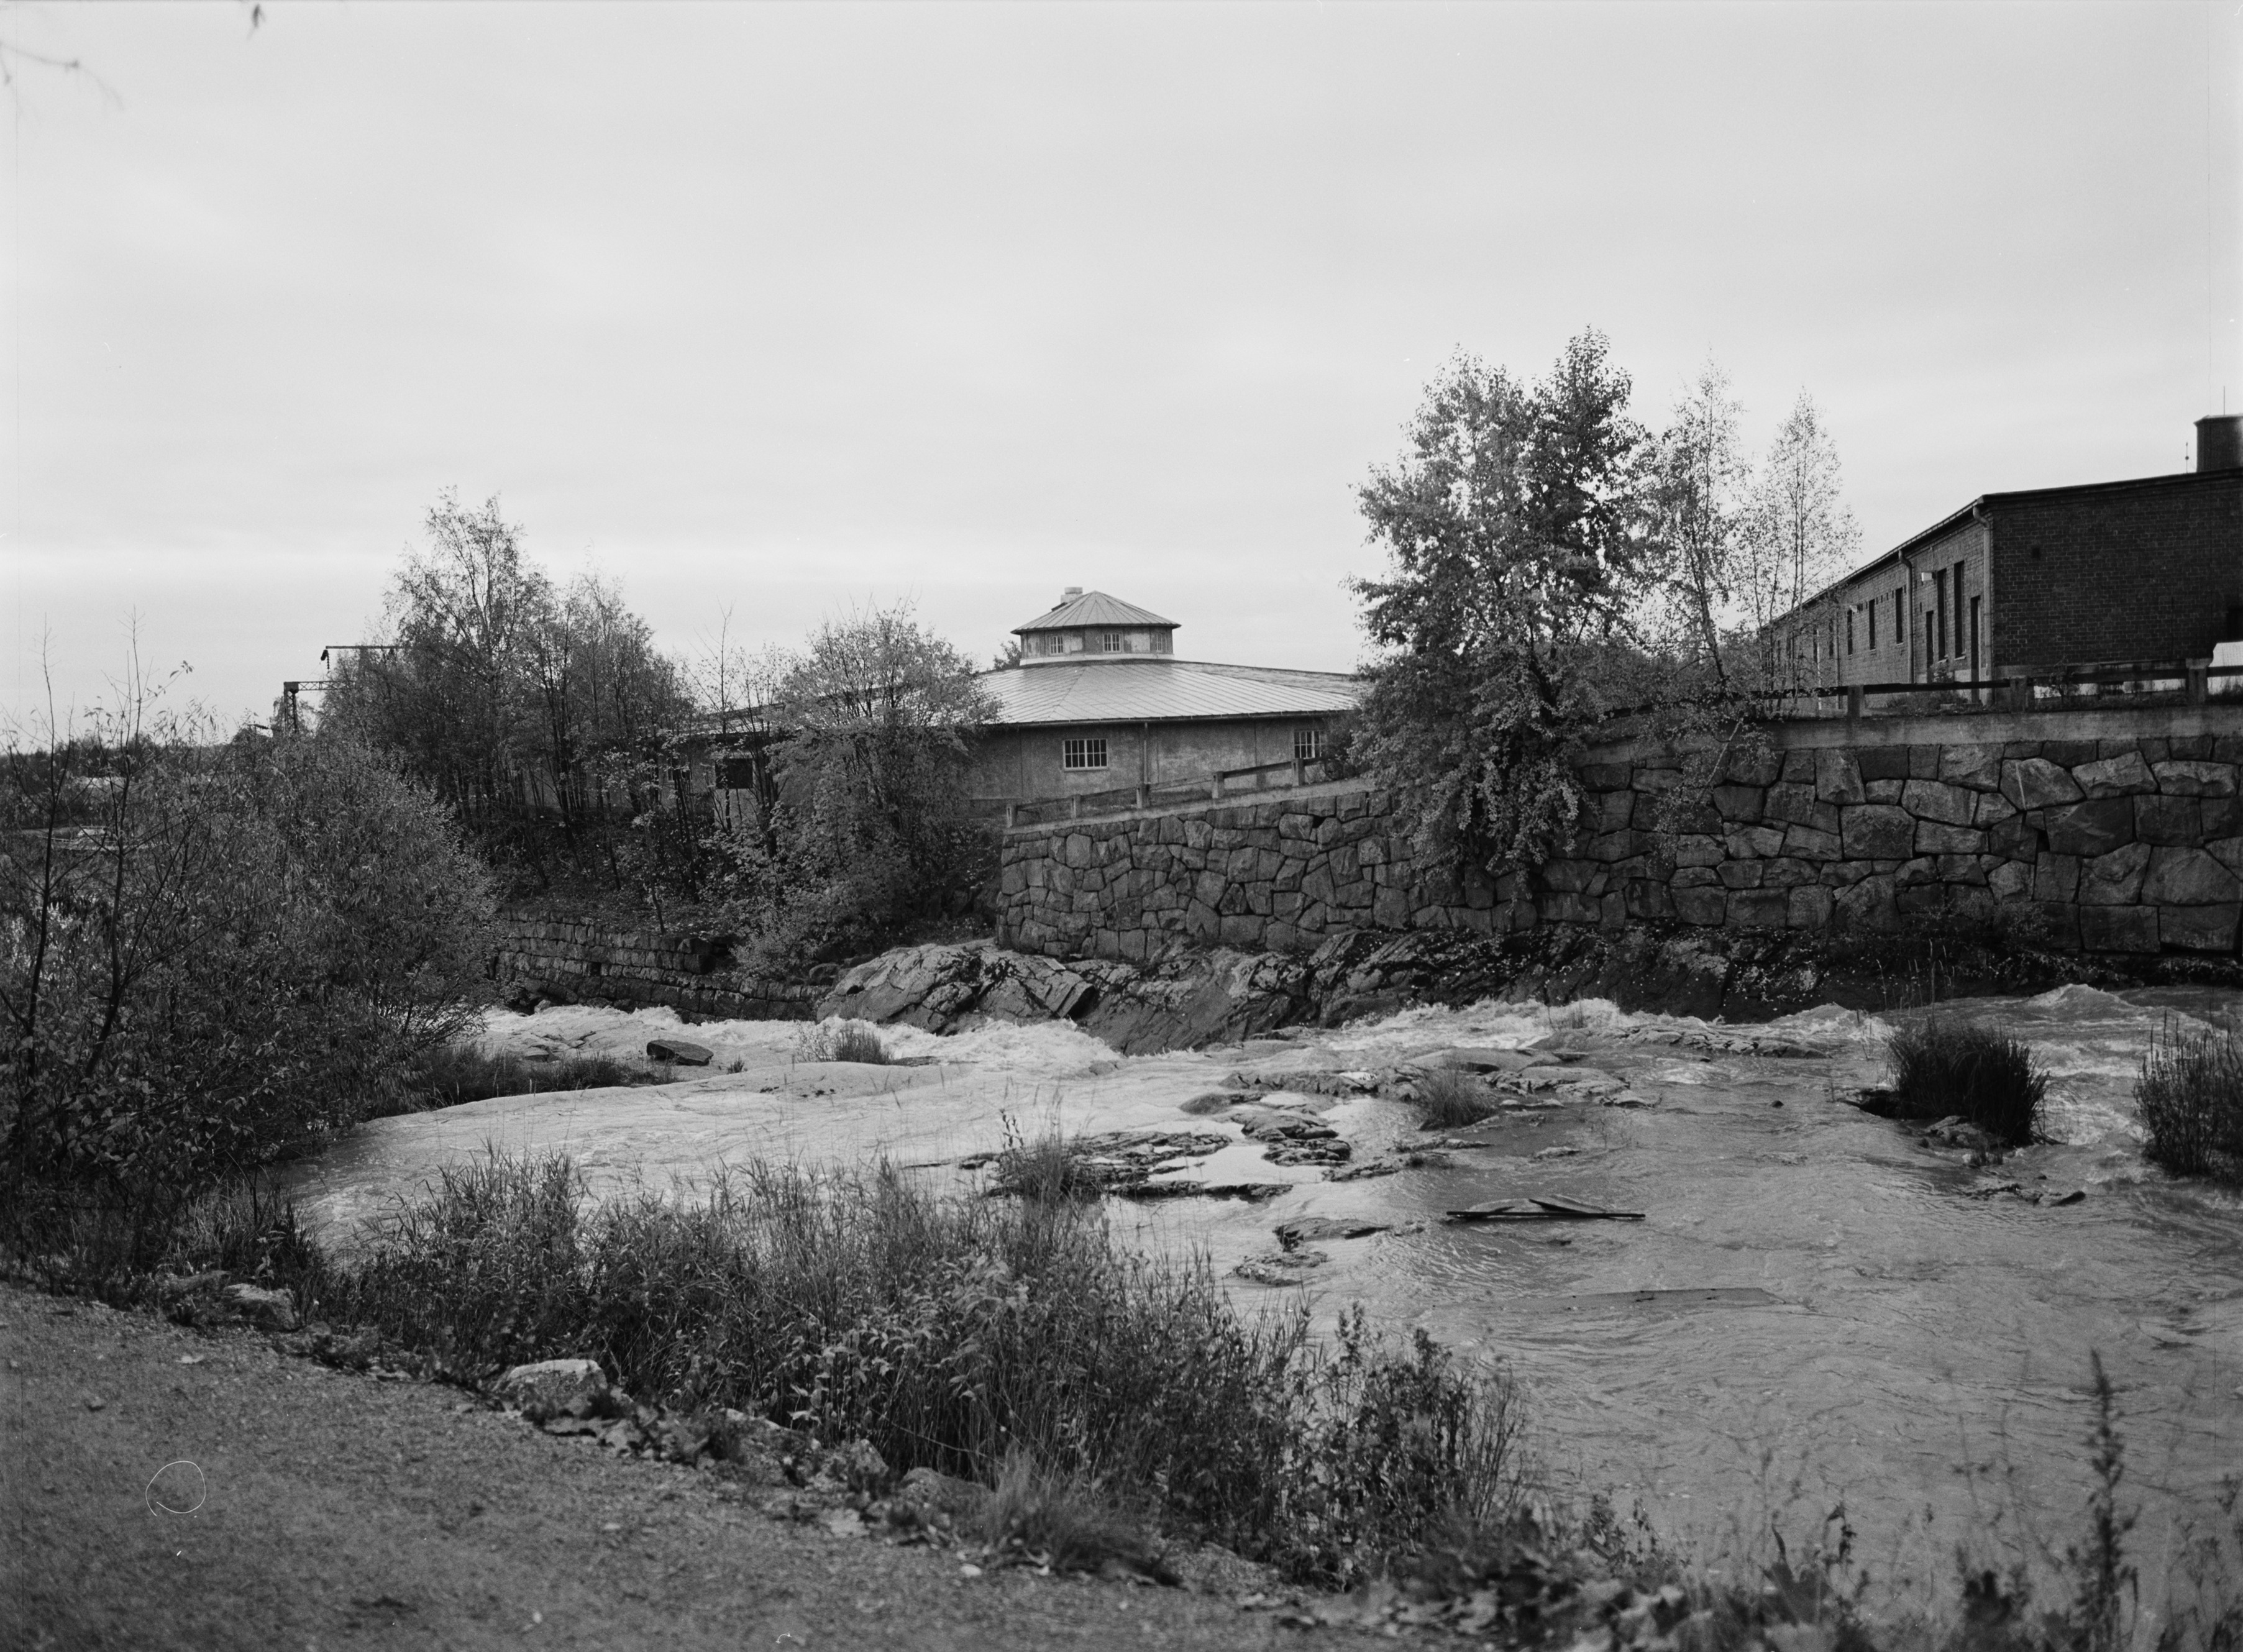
(2109,831)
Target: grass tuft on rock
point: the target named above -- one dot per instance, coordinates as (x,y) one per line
(2191,1097)
(843,1041)
(951,1331)
(1944,1068)
(1451,1100)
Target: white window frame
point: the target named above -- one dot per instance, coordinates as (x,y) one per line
(1309,743)
(1083,753)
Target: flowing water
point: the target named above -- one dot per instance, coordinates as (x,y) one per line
(1817,1305)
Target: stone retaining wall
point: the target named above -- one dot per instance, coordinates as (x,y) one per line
(574,960)
(2103,831)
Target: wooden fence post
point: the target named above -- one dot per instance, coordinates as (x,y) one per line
(2199,681)
(1854,701)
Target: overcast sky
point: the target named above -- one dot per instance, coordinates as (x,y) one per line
(782,310)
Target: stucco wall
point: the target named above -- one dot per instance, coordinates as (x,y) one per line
(1015,765)
(2109,831)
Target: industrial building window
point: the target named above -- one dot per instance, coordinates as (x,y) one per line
(1872,608)
(1307,744)
(1112,643)
(1939,609)
(1850,630)
(1900,615)
(1086,753)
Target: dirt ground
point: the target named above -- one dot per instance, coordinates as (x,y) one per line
(335,1510)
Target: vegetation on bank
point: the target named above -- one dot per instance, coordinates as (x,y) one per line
(1944,1068)
(2191,1097)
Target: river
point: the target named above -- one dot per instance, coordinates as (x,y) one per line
(1817,1307)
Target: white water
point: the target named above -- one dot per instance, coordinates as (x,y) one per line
(1877,1336)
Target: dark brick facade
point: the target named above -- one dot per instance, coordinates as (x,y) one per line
(2116,571)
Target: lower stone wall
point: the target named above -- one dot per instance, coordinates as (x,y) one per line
(2104,831)
(576,962)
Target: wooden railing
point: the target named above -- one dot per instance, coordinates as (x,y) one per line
(1216,783)
(2021,687)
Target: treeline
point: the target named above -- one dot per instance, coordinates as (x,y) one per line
(578,757)
(1554,562)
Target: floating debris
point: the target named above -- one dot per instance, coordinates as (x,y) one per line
(1279,1267)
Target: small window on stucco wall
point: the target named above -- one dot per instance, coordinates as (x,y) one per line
(1090,753)
(1112,643)
(1307,744)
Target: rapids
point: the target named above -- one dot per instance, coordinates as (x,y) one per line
(1816,1308)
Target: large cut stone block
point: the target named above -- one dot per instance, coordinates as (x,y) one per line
(2199,929)
(1882,763)
(1760,908)
(1739,874)
(1869,903)
(1810,909)
(1937,800)
(2119,928)
(2158,819)
(1742,804)
(2187,877)
(1932,837)
(1746,843)
(1837,777)
(1807,844)
(2012,880)
(2187,779)
(1791,803)
(2035,783)
(1702,904)
(1978,767)
(2115,777)
(2090,828)
(1877,832)
(2114,879)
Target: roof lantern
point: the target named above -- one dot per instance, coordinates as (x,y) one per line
(1090,623)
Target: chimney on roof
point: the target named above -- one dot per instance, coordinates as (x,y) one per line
(2219,442)
(1074,590)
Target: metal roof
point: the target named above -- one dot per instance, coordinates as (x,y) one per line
(1141,688)
(1092,607)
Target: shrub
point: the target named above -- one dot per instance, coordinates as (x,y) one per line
(951,1331)
(452,1073)
(1046,1168)
(216,954)
(2191,1097)
(1071,1525)
(842,1040)
(1944,1069)
(1451,1100)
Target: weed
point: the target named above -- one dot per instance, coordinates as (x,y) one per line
(1451,1100)
(951,1330)
(1942,1067)
(841,1040)
(1067,1523)
(456,1073)
(1047,1168)
(2191,1097)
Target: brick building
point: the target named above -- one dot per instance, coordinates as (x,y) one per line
(2107,572)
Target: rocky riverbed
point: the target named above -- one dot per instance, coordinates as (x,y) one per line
(1816,1304)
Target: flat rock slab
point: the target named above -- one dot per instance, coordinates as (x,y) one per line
(679,1051)
(1304,1230)
(1539,1210)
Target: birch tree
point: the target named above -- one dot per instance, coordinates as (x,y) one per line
(1801,534)
(1702,488)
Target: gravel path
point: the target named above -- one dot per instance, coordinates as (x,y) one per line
(338,1511)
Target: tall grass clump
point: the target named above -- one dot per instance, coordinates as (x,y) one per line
(2191,1097)
(1451,1100)
(1945,1068)
(842,1040)
(453,1074)
(953,1332)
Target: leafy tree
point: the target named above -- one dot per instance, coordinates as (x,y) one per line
(1701,480)
(541,716)
(871,827)
(1799,533)
(212,951)
(1516,526)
